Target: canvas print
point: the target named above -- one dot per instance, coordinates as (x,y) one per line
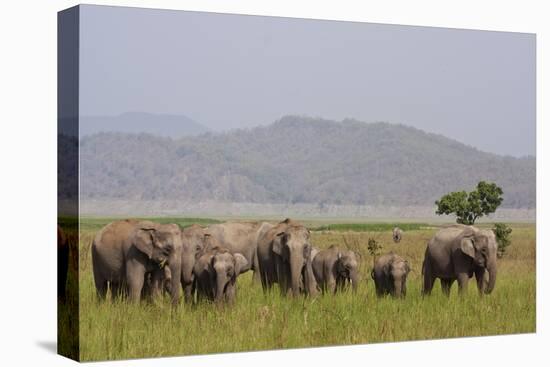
(239,183)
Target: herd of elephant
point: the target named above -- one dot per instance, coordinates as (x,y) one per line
(141,259)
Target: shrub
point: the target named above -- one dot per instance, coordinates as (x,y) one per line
(502,234)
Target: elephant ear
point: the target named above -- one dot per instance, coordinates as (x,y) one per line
(467,246)
(144,241)
(278,243)
(240,263)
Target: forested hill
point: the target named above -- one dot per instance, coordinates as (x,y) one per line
(132,122)
(298,160)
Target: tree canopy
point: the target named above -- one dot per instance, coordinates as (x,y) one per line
(468,207)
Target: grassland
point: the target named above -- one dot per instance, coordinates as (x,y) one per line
(258,322)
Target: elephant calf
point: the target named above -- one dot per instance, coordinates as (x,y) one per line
(216,272)
(333,268)
(390,275)
(157,282)
(397,233)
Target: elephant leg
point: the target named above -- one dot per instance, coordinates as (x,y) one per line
(157,284)
(188,291)
(330,279)
(481,280)
(118,290)
(446,286)
(230,293)
(256,277)
(341,284)
(331,286)
(263,279)
(283,278)
(135,285)
(463,282)
(101,288)
(199,291)
(256,268)
(429,280)
(379,291)
(100,285)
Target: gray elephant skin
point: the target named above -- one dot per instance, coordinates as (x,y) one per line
(242,238)
(157,282)
(216,271)
(397,234)
(333,268)
(284,257)
(390,275)
(457,253)
(126,252)
(194,241)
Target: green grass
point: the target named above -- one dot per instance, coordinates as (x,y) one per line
(369,227)
(258,322)
(95,224)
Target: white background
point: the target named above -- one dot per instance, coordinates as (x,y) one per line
(28,181)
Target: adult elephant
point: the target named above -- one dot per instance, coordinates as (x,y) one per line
(390,275)
(397,233)
(242,238)
(457,253)
(125,252)
(216,271)
(284,257)
(334,267)
(194,241)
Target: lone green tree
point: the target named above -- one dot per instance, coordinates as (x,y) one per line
(468,207)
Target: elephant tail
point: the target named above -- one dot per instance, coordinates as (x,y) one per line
(424,261)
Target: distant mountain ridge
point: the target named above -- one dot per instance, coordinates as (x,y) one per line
(298,160)
(142,122)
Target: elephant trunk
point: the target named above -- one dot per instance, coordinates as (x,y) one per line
(187,270)
(296,265)
(309,279)
(492,269)
(221,281)
(398,287)
(175,270)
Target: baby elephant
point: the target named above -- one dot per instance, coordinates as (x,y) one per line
(216,272)
(397,233)
(390,275)
(334,268)
(156,283)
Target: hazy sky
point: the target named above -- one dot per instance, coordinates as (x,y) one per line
(229,71)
